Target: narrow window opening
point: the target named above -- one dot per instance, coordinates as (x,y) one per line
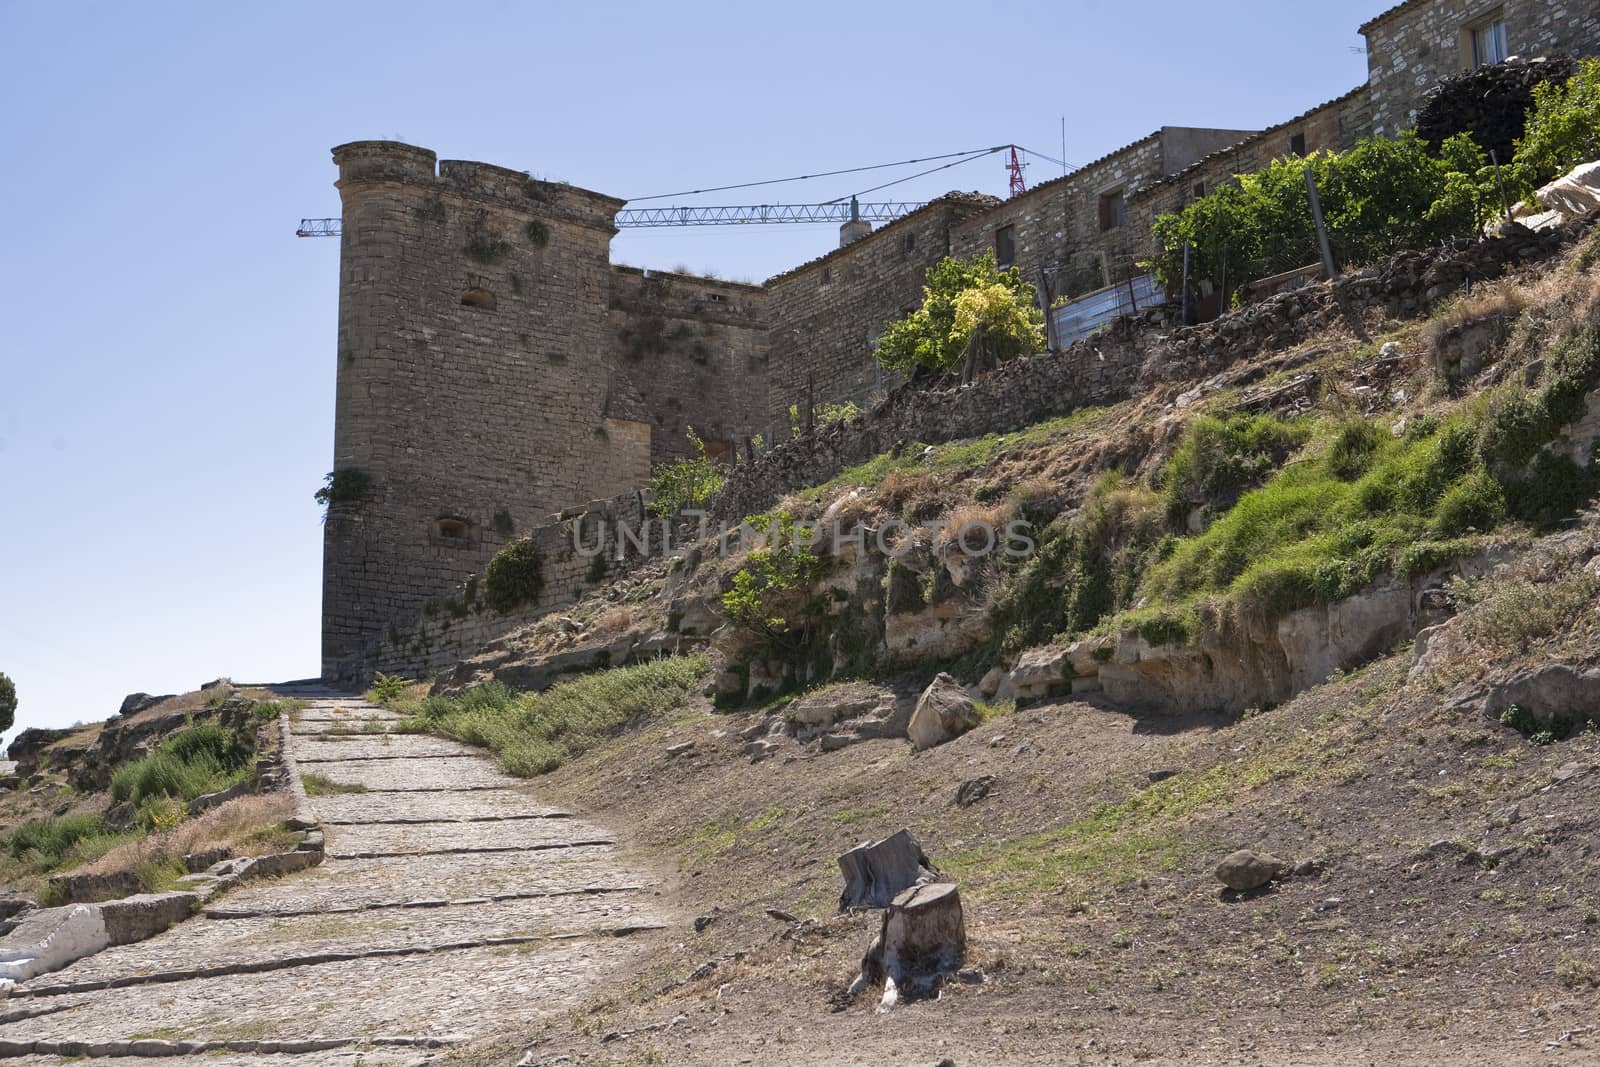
(1297,144)
(1113,210)
(827,276)
(1005,246)
(908,244)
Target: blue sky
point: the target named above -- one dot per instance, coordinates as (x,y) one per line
(167,360)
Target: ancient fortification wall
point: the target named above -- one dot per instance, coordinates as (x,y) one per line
(494,367)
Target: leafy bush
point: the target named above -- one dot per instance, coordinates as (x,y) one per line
(385,688)
(822,415)
(771,595)
(538,234)
(965,302)
(686,483)
(1379,197)
(347,486)
(534,733)
(514,576)
(1563,129)
(8,702)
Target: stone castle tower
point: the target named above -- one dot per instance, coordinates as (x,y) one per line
(493,367)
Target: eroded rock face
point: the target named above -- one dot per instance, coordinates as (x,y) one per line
(944,711)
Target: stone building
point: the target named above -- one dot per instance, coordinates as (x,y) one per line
(1075,234)
(1410,47)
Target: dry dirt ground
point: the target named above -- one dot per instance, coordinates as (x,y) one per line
(452,903)
(1452,913)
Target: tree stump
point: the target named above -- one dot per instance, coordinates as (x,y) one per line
(874,872)
(922,939)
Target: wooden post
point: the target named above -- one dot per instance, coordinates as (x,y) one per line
(811,404)
(1322,230)
(1188,319)
(1505,204)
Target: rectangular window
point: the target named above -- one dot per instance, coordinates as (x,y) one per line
(826,277)
(1485,41)
(1113,210)
(1199,190)
(1005,246)
(909,244)
(1297,144)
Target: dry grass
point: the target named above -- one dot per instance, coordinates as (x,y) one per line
(977,526)
(917,493)
(612,621)
(250,826)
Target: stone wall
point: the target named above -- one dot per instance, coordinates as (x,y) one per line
(691,352)
(827,314)
(1415,45)
(447,628)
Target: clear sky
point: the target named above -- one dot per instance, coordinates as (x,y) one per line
(167,348)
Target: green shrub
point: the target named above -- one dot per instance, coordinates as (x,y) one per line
(538,234)
(1379,197)
(45,843)
(1476,502)
(534,733)
(771,593)
(514,576)
(685,483)
(8,703)
(1219,458)
(965,302)
(1563,129)
(386,688)
(349,486)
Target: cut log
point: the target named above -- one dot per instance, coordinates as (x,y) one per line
(923,938)
(875,871)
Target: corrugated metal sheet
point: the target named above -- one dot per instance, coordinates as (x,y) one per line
(1095,311)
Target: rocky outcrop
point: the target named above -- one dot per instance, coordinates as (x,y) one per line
(1556,695)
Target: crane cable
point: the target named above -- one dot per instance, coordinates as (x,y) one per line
(970,154)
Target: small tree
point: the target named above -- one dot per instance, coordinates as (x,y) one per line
(687,483)
(1563,129)
(8,703)
(966,303)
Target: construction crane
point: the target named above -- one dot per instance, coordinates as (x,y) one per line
(768,214)
(726,215)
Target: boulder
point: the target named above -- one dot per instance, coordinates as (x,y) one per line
(944,711)
(1247,869)
(1556,694)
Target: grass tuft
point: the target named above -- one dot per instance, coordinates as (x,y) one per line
(534,733)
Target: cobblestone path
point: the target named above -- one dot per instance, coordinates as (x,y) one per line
(451,904)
